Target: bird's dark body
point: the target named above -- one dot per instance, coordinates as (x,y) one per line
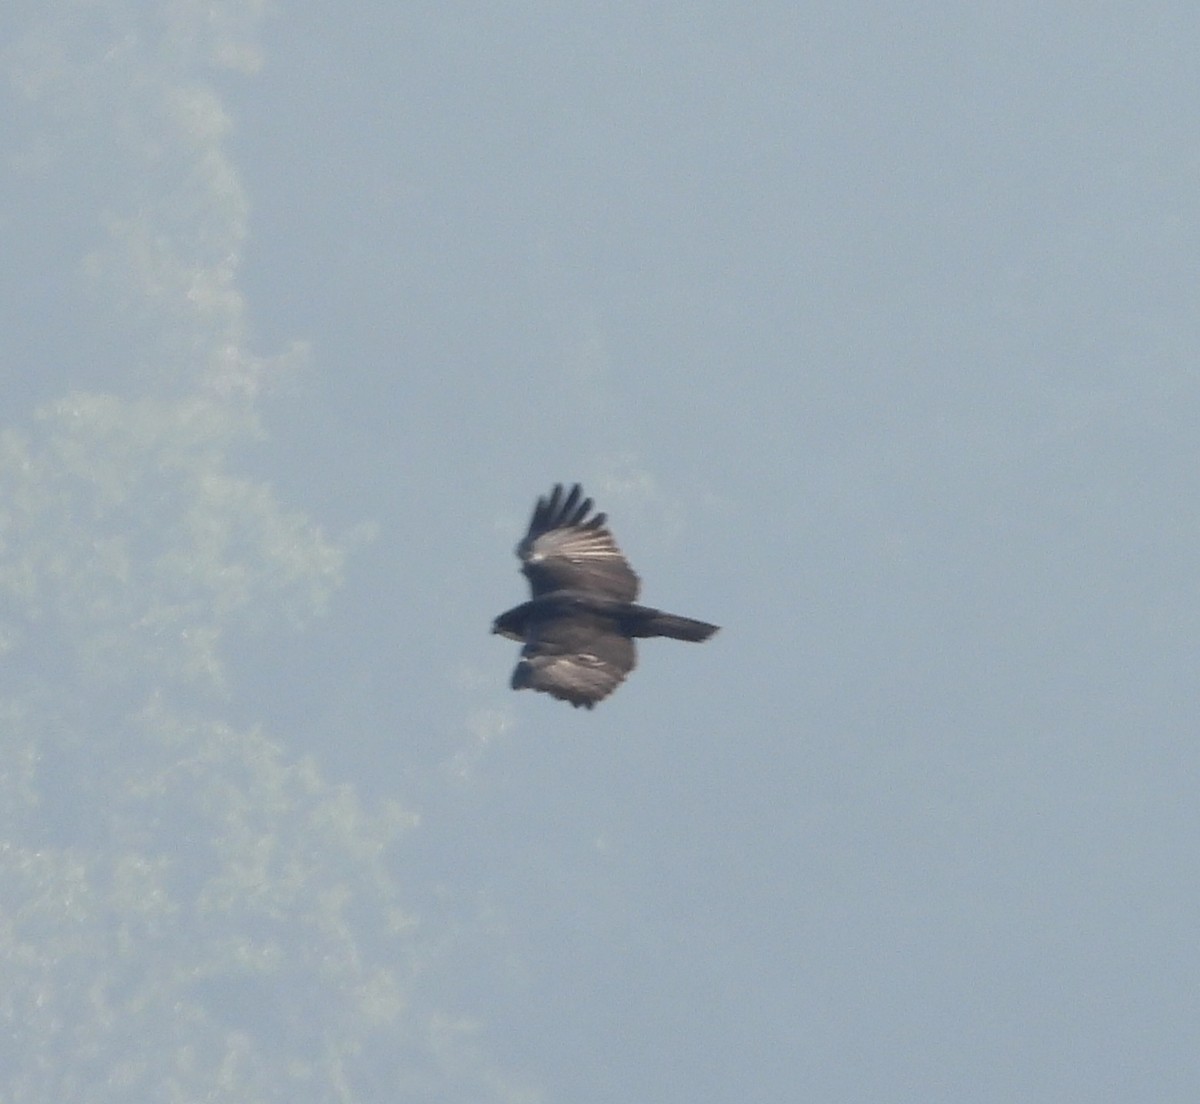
(578,628)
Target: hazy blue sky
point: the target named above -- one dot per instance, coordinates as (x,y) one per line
(875,330)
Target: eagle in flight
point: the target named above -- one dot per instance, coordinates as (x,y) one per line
(578,628)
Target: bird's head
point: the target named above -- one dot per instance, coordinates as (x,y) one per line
(508,625)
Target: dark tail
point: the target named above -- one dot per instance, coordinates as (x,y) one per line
(652,622)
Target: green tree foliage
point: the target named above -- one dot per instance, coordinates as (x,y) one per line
(186,913)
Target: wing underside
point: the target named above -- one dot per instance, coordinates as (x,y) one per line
(576,659)
(564,549)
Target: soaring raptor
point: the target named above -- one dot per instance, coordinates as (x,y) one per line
(578,628)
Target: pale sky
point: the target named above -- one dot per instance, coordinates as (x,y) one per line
(874,330)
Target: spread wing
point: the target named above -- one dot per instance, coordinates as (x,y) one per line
(566,550)
(577,659)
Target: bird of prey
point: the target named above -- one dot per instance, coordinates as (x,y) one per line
(578,628)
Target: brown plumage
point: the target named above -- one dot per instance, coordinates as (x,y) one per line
(579,626)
